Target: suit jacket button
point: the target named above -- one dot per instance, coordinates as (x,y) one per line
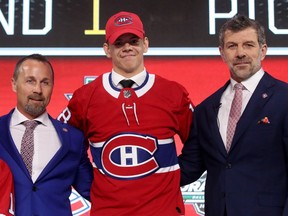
(34,188)
(228,166)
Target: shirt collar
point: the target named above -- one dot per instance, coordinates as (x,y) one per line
(138,78)
(251,83)
(18,118)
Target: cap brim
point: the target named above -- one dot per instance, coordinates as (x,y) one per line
(117,34)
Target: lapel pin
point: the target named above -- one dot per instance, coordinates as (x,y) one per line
(264,95)
(65,129)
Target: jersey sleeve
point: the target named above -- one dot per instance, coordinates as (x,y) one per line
(184,114)
(6,190)
(76,109)
(78,105)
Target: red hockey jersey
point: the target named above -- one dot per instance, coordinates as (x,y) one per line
(6,190)
(131,136)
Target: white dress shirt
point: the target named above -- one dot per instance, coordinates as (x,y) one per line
(227,97)
(138,79)
(46,140)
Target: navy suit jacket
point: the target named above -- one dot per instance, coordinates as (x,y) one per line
(49,194)
(252,179)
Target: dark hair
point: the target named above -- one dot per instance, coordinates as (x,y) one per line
(239,23)
(37,57)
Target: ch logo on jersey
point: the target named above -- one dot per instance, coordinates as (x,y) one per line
(129,156)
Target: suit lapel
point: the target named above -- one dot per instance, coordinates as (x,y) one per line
(64,138)
(8,143)
(212,114)
(252,112)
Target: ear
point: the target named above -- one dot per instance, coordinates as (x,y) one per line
(14,85)
(145,44)
(264,49)
(222,53)
(106,49)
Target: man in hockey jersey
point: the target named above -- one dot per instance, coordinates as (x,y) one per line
(6,190)
(130,127)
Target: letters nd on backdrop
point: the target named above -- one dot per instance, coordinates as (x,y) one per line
(186,27)
(183,47)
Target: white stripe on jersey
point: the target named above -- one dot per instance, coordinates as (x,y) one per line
(161,170)
(160,142)
(168,169)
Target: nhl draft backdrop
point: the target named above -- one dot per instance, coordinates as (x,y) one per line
(183,47)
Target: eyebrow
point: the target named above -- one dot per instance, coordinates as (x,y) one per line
(128,38)
(233,42)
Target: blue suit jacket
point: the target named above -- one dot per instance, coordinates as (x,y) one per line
(252,179)
(49,194)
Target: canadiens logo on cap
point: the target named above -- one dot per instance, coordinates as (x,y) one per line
(123,23)
(123,20)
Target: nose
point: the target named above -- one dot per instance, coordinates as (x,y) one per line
(127,46)
(240,52)
(37,88)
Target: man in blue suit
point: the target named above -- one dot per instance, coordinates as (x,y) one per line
(60,158)
(248,177)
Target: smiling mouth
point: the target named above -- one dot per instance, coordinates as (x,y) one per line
(36,99)
(128,55)
(241,63)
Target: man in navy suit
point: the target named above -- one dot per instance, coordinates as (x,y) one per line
(60,158)
(250,176)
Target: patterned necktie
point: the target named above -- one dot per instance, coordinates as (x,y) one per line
(27,144)
(235,113)
(127,83)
